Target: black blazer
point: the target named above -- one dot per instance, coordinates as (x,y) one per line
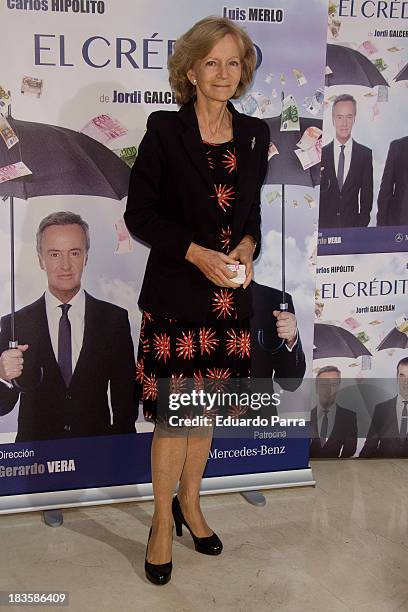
(168,207)
(352,206)
(383,435)
(393,194)
(51,410)
(342,441)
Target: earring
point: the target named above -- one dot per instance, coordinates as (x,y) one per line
(195,82)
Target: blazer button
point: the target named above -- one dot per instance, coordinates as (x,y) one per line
(67,427)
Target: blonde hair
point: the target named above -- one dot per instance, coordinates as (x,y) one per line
(197,43)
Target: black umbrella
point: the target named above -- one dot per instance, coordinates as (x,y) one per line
(62,162)
(350,67)
(286,169)
(394,339)
(334,341)
(403,74)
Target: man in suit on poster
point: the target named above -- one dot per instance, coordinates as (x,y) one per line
(333,428)
(393,194)
(387,436)
(82,344)
(346,189)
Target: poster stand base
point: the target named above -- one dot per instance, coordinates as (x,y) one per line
(239,483)
(255,498)
(53,518)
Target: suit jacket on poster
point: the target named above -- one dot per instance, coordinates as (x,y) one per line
(169,207)
(52,410)
(383,435)
(342,441)
(286,367)
(393,195)
(352,206)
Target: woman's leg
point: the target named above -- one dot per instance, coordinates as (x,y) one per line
(198,447)
(168,455)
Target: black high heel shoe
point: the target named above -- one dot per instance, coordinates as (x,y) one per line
(158,574)
(210,545)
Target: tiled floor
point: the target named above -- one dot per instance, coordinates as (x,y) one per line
(340,546)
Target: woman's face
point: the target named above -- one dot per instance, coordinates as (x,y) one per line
(218,74)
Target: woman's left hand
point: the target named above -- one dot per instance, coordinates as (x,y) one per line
(244,252)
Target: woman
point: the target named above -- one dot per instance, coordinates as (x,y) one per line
(194,197)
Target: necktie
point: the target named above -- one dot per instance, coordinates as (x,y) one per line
(64,344)
(323,430)
(340,169)
(404,417)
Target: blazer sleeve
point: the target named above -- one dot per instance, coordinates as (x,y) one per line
(386,192)
(350,438)
(253,223)
(143,216)
(124,400)
(366,194)
(290,366)
(370,447)
(8,397)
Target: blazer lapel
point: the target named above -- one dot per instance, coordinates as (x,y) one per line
(192,142)
(353,165)
(47,356)
(391,425)
(85,352)
(245,144)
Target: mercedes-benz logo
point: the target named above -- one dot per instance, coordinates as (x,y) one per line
(399,237)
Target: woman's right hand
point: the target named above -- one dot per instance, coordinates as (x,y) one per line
(213,264)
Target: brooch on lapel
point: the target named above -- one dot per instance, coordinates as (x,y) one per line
(253,141)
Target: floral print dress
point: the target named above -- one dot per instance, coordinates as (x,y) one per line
(215,350)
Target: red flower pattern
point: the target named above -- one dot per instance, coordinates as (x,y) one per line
(145,344)
(161,344)
(244,344)
(208,340)
(218,377)
(177,383)
(237,411)
(224,195)
(140,370)
(223,303)
(150,387)
(186,345)
(198,380)
(225,237)
(230,161)
(231,342)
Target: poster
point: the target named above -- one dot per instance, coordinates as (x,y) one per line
(361,263)
(76,90)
